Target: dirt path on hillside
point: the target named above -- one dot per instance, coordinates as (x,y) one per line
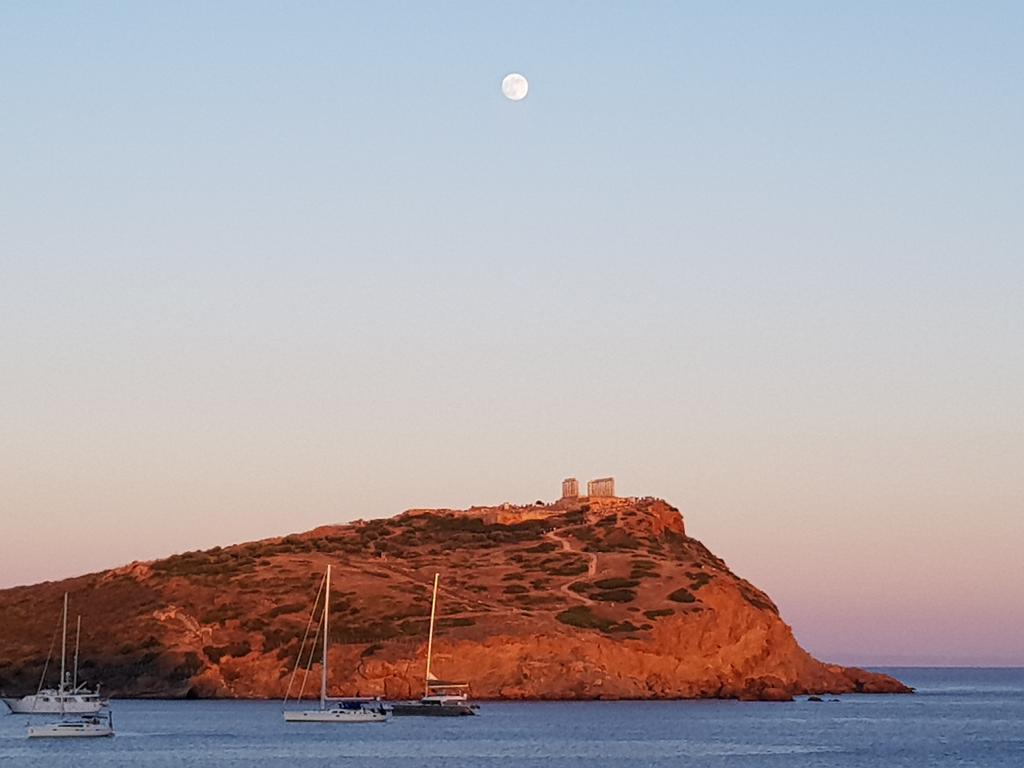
(566,588)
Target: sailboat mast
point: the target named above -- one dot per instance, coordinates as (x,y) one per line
(78,636)
(323,666)
(63,649)
(430,637)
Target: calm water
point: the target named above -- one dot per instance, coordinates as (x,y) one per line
(959,717)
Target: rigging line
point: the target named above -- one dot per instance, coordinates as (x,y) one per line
(312,650)
(309,623)
(46,665)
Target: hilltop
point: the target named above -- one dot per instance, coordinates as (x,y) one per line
(578,599)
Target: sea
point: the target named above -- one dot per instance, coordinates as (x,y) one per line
(957,717)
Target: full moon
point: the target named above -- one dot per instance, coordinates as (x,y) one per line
(515,87)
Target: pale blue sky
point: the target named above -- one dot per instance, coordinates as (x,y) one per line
(271,265)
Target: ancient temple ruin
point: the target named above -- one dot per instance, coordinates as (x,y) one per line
(601,487)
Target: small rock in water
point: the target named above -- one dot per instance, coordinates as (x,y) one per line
(815,698)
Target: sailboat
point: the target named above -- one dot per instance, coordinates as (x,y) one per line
(341,710)
(69,698)
(88,725)
(440,698)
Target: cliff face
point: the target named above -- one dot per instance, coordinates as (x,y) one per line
(600,598)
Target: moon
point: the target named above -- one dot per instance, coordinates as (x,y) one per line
(515,87)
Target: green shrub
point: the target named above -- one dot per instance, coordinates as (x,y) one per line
(699,579)
(643,569)
(625,626)
(582,616)
(280,610)
(216,653)
(659,613)
(682,595)
(255,624)
(415,627)
(615,583)
(219,614)
(757,598)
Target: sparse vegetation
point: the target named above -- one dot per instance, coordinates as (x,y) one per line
(625,626)
(615,583)
(493,572)
(757,598)
(581,616)
(280,610)
(682,595)
(643,569)
(659,613)
(220,614)
(699,579)
(216,653)
(567,566)
(542,548)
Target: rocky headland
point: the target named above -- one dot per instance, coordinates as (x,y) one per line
(603,598)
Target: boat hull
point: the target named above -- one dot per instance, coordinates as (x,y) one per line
(70,731)
(335,716)
(73,705)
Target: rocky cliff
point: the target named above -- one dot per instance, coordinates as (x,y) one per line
(589,598)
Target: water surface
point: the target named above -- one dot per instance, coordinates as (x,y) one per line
(959,717)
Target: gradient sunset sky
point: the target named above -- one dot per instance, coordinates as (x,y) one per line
(265,266)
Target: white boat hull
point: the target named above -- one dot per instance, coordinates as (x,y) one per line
(335,716)
(70,731)
(51,705)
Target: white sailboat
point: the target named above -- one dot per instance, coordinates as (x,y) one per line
(70,698)
(346,710)
(96,724)
(440,699)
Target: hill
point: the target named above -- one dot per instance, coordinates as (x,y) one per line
(580,599)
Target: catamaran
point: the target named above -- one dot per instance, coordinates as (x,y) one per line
(338,710)
(69,698)
(84,725)
(440,698)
